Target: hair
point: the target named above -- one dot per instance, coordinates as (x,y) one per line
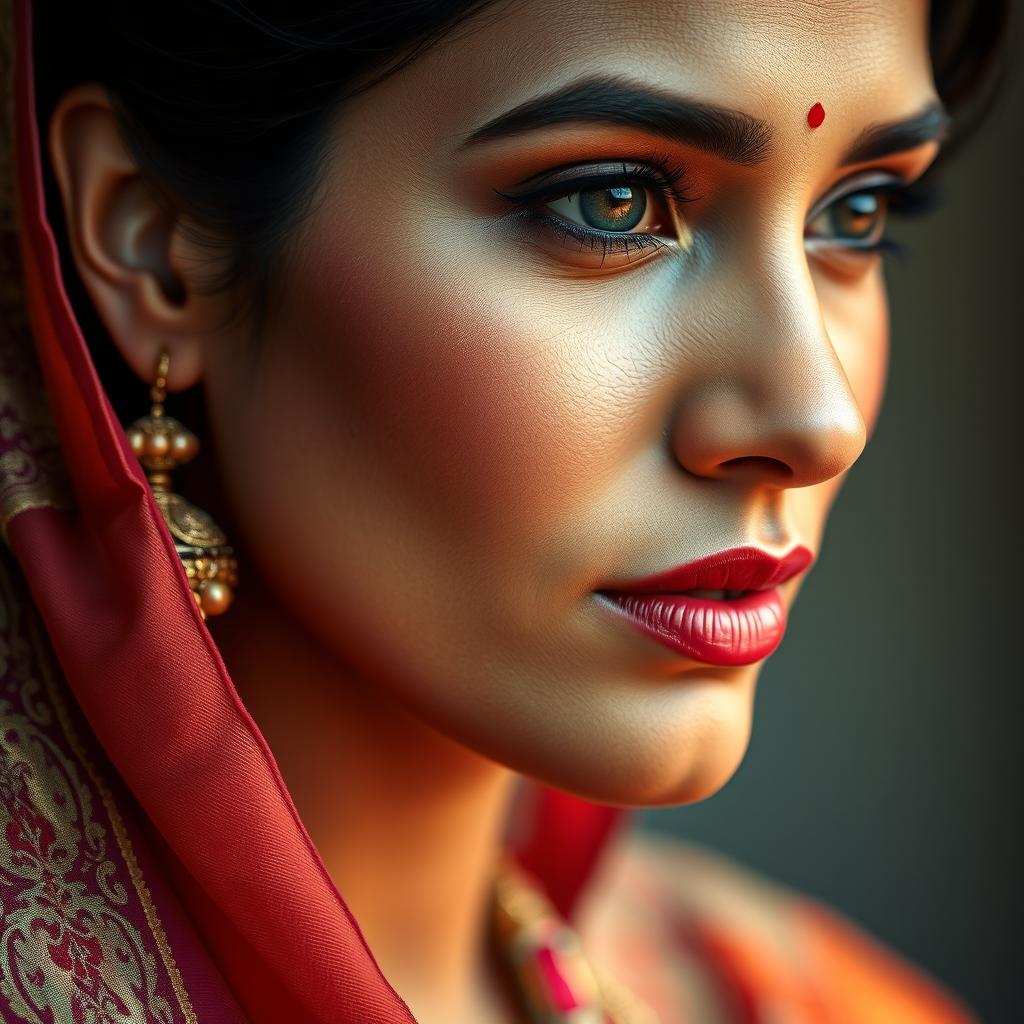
(224,104)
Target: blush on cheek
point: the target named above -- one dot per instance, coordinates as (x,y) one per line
(457,391)
(857,320)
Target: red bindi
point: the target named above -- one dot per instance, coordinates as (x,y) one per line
(816,115)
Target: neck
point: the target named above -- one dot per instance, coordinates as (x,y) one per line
(407,822)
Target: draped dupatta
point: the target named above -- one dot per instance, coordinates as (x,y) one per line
(155,866)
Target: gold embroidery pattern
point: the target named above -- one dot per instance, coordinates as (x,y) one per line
(71,930)
(72,945)
(32,474)
(11,310)
(30,469)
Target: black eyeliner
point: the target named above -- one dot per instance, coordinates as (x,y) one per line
(660,174)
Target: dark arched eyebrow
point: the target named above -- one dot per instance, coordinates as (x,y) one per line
(878,140)
(730,134)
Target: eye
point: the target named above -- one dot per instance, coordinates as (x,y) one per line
(618,208)
(856,220)
(604,216)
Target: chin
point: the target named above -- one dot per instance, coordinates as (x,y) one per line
(677,745)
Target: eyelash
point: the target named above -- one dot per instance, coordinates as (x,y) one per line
(903,199)
(668,180)
(662,176)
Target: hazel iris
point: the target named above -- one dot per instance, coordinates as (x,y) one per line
(613,209)
(857,216)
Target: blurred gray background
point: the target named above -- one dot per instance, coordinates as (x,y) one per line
(883,772)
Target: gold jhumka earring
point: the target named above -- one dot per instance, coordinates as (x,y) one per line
(162,444)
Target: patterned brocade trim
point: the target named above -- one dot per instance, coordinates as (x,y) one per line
(32,473)
(80,937)
(11,300)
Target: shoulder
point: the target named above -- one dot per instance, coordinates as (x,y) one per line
(766,951)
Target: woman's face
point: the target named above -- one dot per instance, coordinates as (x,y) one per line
(516,367)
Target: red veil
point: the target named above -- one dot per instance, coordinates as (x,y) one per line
(155,866)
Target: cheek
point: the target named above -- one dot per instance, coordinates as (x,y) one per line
(483,413)
(857,320)
(412,425)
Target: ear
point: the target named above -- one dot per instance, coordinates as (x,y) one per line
(137,263)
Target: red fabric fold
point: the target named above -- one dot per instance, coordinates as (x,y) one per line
(151,682)
(154,688)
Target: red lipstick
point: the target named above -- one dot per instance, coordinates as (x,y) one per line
(742,624)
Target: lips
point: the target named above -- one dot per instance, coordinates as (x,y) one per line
(724,609)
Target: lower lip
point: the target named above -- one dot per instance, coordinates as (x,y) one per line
(719,632)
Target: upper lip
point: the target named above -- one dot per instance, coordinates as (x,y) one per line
(743,568)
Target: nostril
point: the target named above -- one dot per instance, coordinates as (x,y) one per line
(759,464)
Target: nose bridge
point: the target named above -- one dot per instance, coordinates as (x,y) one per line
(775,402)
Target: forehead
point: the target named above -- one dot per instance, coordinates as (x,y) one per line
(865,61)
(751,45)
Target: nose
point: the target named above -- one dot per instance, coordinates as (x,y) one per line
(778,409)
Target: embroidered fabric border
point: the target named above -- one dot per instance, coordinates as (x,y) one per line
(30,468)
(76,941)
(31,471)
(11,304)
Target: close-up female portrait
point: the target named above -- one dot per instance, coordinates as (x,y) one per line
(417,423)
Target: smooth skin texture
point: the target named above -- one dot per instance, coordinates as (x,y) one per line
(458,424)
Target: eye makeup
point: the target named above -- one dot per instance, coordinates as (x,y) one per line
(656,170)
(851,216)
(656,185)
(854,214)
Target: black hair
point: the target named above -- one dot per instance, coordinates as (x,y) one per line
(968,41)
(224,103)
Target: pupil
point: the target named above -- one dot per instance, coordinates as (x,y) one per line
(857,215)
(613,209)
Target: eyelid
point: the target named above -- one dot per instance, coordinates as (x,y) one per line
(656,171)
(862,181)
(571,173)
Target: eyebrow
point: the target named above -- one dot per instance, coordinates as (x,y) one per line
(730,134)
(878,140)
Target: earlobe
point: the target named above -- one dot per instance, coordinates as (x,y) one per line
(125,243)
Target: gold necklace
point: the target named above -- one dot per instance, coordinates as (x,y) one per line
(555,982)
